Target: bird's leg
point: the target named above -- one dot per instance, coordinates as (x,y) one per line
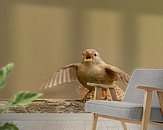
(108,95)
(86,97)
(103,94)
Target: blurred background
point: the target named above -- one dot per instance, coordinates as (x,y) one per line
(40,36)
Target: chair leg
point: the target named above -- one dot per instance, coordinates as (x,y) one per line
(97,95)
(124,125)
(94,121)
(160,97)
(146,110)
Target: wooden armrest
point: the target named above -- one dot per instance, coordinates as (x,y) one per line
(150,88)
(98,89)
(146,106)
(100,85)
(148,98)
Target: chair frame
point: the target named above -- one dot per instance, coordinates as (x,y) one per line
(146,106)
(98,88)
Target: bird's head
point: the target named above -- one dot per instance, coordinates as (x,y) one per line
(91,56)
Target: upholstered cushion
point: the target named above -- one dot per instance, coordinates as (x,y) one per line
(125,110)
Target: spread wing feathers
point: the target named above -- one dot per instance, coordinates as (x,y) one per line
(119,74)
(64,75)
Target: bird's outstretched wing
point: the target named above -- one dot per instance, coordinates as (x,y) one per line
(64,75)
(119,75)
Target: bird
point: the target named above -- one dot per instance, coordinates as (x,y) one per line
(91,69)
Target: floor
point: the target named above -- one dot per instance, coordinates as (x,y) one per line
(60,121)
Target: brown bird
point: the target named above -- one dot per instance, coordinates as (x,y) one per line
(92,69)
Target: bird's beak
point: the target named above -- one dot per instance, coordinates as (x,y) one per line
(88,55)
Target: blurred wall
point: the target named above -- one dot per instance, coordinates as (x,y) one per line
(41,36)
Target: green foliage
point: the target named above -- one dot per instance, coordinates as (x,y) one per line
(8,126)
(4,72)
(21,98)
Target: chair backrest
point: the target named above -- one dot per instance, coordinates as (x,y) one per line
(143,77)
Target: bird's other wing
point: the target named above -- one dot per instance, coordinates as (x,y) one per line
(119,74)
(64,75)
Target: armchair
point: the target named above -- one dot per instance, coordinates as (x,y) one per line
(142,103)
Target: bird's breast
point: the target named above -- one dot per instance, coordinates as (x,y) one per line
(92,74)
